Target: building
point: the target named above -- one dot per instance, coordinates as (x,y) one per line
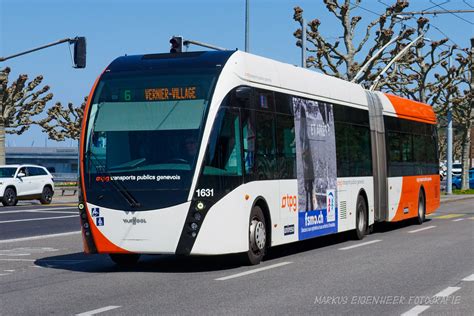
(61,161)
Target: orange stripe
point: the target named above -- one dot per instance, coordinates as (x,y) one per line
(101,242)
(412,110)
(409,196)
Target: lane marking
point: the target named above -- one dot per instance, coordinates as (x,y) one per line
(15,254)
(253,271)
(469,278)
(447,291)
(5,241)
(418,309)
(431,214)
(38,210)
(25,205)
(53,212)
(26,260)
(37,219)
(2,274)
(458,220)
(99,310)
(8,270)
(361,244)
(421,229)
(448,216)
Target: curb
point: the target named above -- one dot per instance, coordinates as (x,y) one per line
(460,198)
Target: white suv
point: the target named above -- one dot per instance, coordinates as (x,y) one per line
(25,182)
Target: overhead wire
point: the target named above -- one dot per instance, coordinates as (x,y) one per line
(446,10)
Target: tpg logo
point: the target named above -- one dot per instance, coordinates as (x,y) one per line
(289,201)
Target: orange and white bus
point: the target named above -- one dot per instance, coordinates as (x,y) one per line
(207,153)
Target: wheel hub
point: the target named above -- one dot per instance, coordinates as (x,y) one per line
(420,208)
(257,235)
(361,222)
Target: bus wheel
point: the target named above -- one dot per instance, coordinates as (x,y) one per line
(421,208)
(361,219)
(125,260)
(257,237)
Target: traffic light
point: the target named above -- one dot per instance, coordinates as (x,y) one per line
(176,44)
(80,52)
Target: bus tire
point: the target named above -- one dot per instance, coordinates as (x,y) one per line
(361,218)
(257,237)
(125,260)
(421,208)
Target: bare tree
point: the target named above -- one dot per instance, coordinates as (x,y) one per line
(454,88)
(63,122)
(344,61)
(19,102)
(424,73)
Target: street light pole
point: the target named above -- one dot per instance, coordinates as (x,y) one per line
(247,48)
(449,149)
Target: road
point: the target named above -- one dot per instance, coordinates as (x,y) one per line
(33,219)
(400,268)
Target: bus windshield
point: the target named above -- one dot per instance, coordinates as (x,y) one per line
(143,135)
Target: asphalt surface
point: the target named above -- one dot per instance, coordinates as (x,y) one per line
(33,219)
(399,268)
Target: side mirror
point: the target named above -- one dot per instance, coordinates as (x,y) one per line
(21,174)
(80,52)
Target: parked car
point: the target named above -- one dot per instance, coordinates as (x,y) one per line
(457,180)
(25,182)
(457,169)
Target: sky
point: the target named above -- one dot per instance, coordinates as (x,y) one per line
(115,28)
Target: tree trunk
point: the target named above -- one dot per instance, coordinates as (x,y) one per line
(466,146)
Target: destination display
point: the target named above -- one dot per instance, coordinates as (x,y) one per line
(173,93)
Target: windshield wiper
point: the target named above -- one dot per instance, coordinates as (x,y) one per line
(131,200)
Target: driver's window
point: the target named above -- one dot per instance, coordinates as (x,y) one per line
(224,153)
(24,171)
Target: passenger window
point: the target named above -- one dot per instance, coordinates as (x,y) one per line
(264,100)
(249,140)
(265,146)
(286,147)
(283,103)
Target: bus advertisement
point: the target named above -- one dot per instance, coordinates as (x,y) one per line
(221,152)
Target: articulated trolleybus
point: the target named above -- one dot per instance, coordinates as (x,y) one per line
(207,153)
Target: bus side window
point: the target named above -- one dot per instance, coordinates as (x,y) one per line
(264,100)
(286,147)
(248,140)
(265,146)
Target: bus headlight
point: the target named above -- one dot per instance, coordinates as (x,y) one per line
(194,226)
(197,216)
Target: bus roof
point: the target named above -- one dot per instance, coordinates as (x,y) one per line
(264,71)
